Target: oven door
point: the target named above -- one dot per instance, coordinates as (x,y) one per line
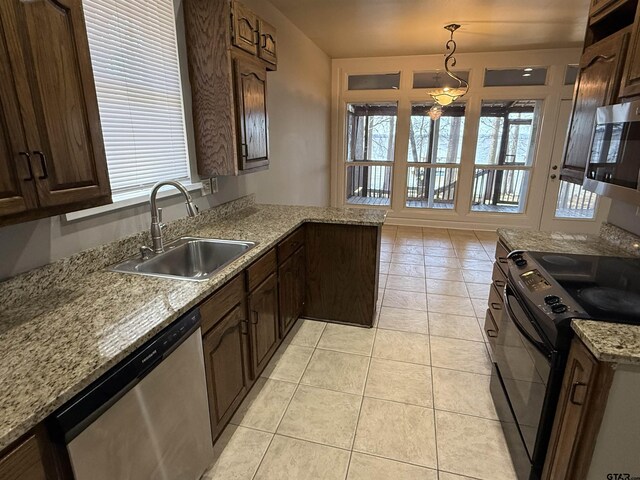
(524,358)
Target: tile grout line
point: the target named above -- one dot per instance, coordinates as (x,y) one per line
(364,388)
(433,404)
(288,404)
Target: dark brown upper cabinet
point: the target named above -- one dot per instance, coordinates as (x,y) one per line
(56,146)
(631,76)
(267,48)
(244,28)
(253,123)
(598,85)
(227,72)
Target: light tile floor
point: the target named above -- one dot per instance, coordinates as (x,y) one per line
(408,399)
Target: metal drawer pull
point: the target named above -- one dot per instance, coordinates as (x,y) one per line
(491,333)
(572,396)
(43,163)
(28,157)
(496,306)
(499,283)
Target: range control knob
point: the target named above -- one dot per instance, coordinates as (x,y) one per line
(551,299)
(521,262)
(559,308)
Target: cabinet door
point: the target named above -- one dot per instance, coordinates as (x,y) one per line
(291,290)
(253,125)
(224,357)
(17,186)
(581,405)
(245,28)
(268,44)
(263,315)
(598,82)
(24,462)
(631,75)
(59,102)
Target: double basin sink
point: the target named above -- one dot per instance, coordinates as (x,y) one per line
(188,258)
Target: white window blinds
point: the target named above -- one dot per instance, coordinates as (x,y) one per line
(135,64)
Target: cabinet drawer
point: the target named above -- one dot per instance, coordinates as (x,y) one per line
(501,256)
(499,279)
(261,269)
(222,301)
(490,328)
(290,244)
(23,462)
(495,306)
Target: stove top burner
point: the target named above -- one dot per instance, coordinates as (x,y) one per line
(560,260)
(612,300)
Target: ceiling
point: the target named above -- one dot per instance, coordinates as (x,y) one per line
(367,28)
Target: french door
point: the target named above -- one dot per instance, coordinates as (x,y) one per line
(568,207)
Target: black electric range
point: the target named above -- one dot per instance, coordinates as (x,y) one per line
(544,292)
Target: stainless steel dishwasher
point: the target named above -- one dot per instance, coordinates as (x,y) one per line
(148,417)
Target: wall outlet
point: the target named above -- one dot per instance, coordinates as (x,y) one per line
(206,186)
(214,185)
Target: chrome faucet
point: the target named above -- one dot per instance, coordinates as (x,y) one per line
(156,214)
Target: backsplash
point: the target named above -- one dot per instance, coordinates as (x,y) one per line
(97,258)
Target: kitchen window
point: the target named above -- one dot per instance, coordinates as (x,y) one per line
(135,63)
(504,158)
(435,147)
(371,137)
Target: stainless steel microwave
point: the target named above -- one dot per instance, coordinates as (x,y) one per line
(614,162)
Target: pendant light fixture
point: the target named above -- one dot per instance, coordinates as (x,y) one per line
(446,95)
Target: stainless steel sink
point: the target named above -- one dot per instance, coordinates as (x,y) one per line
(188,258)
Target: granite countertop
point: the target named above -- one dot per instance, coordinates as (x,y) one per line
(64,325)
(608,342)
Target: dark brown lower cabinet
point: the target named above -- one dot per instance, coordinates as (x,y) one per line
(224,358)
(342,272)
(583,398)
(291,275)
(24,462)
(263,319)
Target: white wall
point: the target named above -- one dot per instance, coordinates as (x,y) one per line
(299,115)
(625,216)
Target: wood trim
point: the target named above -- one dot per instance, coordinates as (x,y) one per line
(43,212)
(207,24)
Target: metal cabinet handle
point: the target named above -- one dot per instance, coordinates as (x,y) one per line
(491,333)
(43,164)
(496,306)
(245,150)
(499,283)
(572,396)
(27,155)
(255,317)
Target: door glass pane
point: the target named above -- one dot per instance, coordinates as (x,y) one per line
(371,132)
(499,190)
(507,132)
(575,202)
(369,185)
(571,74)
(431,187)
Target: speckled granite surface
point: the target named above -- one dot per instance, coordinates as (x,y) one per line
(609,342)
(558,242)
(64,325)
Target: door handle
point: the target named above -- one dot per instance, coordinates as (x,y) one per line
(43,164)
(572,396)
(491,333)
(553,176)
(27,155)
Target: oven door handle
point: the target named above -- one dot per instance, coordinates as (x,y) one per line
(540,346)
